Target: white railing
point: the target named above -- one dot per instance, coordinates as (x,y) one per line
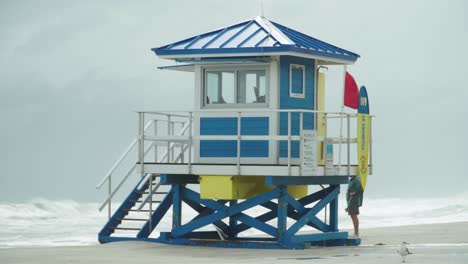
(162,144)
(187,141)
(168,155)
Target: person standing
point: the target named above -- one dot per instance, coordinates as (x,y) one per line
(354,196)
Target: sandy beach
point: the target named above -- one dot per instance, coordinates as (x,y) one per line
(435,243)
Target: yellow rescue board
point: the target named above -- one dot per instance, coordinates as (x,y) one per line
(363,136)
(363,147)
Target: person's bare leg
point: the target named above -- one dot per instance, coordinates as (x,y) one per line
(355,219)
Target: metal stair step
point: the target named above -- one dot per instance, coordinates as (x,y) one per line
(140,201)
(135,210)
(123,228)
(132,219)
(153,192)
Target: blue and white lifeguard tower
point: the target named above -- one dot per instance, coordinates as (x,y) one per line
(257,138)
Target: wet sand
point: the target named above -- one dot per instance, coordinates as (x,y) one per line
(435,243)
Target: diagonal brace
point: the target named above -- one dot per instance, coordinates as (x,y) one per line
(221,210)
(310,215)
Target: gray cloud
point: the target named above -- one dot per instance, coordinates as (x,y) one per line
(72,72)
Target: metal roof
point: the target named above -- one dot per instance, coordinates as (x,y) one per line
(255,37)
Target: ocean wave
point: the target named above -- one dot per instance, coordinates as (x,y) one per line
(44,223)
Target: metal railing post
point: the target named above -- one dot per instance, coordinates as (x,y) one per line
(238,142)
(141,141)
(109,209)
(301,150)
(370,145)
(324,151)
(168,142)
(150,190)
(190,144)
(348,144)
(182,144)
(289,143)
(172,134)
(155,145)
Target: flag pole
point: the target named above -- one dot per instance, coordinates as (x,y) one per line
(341,116)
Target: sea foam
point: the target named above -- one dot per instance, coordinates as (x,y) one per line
(45,223)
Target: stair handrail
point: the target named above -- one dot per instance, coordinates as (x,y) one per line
(124,179)
(122,157)
(180,133)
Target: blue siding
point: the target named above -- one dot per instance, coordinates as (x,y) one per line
(287,102)
(228,126)
(228,148)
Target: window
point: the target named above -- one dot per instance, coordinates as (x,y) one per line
(251,87)
(246,86)
(220,87)
(297,81)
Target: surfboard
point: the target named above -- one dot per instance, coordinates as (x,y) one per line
(363,136)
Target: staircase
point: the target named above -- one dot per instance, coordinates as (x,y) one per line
(138,213)
(134,214)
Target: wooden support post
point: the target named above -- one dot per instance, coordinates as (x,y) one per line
(334,211)
(233,222)
(282,212)
(176,206)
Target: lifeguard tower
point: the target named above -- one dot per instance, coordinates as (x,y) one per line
(254,153)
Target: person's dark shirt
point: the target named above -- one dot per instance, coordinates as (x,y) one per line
(354,187)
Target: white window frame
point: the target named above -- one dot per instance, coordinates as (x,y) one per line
(297,95)
(236,69)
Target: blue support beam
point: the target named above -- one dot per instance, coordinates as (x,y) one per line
(203,211)
(305,180)
(334,212)
(319,237)
(310,215)
(296,204)
(214,211)
(282,211)
(178,179)
(223,212)
(176,205)
(233,231)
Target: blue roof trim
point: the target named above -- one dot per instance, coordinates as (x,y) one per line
(175,66)
(255,50)
(248,37)
(227,60)
(310,41)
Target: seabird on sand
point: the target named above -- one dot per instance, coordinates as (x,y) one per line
(404,250)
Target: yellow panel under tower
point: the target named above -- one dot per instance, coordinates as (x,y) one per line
(240,187)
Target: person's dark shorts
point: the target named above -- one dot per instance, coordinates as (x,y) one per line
(353,211)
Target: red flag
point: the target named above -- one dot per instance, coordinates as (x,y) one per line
(351,92)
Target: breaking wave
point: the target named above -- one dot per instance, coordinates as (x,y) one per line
(44,223)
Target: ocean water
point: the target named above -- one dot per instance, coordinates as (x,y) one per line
(47,223)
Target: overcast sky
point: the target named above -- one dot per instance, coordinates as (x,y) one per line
(72,72)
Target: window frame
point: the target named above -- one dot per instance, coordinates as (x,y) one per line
(236,69)
(291,93)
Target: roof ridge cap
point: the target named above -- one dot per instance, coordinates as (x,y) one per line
(272,30)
